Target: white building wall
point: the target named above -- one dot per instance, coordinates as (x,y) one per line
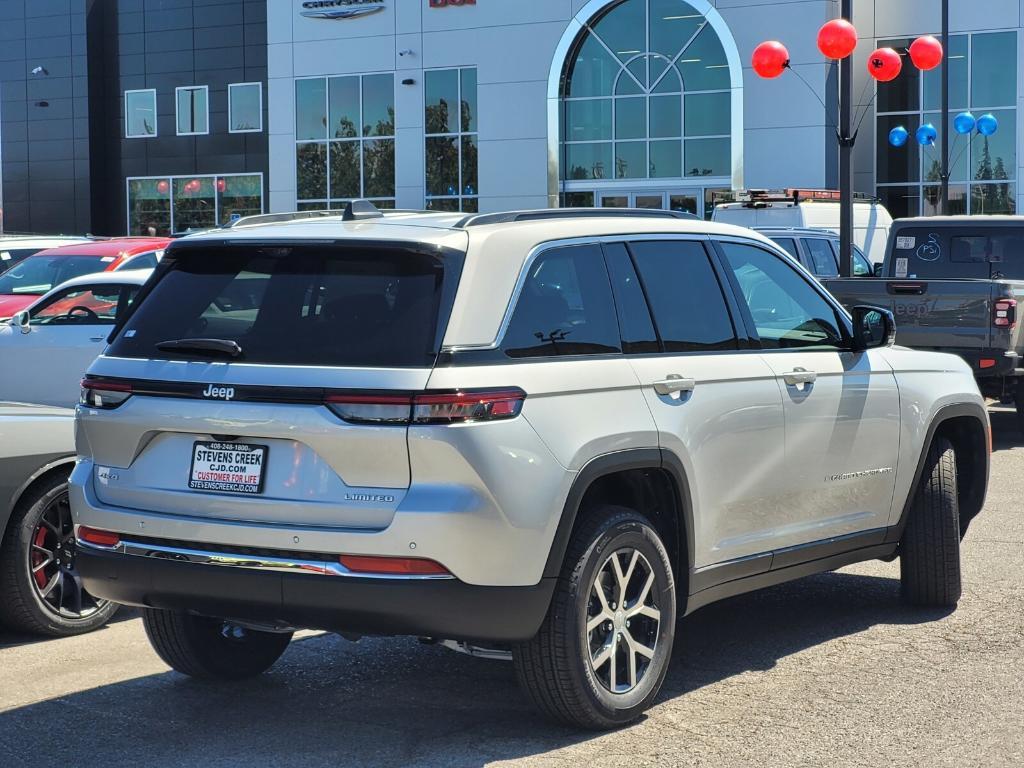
(511,43)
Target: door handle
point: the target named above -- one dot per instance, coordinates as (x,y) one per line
(674,383)
(800,376)
(97,338)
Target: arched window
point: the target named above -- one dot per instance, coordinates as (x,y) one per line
(647,93)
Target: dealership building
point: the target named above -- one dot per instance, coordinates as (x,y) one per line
(174,114)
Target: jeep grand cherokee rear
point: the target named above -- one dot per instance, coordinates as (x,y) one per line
(548,432)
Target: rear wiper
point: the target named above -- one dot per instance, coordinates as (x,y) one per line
(209,346)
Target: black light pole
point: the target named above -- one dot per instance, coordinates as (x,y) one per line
(846,139)
(944,209)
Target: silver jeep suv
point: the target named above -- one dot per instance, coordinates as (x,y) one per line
(550,433)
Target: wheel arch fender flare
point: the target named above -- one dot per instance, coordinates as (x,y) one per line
(21,490)
(623,461)
(944,415)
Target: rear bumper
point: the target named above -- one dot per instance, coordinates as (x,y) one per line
(442,608)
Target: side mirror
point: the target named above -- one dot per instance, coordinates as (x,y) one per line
(878,269)
(21,320)
(873,327)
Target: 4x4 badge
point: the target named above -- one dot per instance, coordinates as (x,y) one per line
(221,393)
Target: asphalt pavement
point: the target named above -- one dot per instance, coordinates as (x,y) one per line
(828,671)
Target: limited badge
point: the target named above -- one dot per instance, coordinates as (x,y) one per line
(905,243)
(901,266)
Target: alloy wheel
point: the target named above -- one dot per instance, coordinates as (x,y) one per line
(51,561)
(623,619)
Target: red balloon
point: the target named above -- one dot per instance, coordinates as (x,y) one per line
(885,65)
(163,187)
(926,52)
(837,39)
(221,185)
(770,59)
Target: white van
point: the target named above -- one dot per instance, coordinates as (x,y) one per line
(810,209)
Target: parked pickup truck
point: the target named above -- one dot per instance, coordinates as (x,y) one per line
(953,284)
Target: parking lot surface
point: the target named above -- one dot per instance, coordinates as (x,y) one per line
(830,670)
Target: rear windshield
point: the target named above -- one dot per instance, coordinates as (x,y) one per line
(958,252)
(360,306)
(38,274)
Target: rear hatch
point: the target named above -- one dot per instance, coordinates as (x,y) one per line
(267,382)
(942,283)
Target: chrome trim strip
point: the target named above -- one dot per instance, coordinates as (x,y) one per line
(250,562)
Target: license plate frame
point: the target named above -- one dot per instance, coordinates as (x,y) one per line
(236,486)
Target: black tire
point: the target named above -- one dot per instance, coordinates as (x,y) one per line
(930,549)
(557,667)
(211,649)
(42,593)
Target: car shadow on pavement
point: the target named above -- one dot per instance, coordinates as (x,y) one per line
(12,639)
(754,631)
(396,702)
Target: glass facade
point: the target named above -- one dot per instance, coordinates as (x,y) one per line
(647,96)
(164,205)
(345,145)
(983,169)
(451,150)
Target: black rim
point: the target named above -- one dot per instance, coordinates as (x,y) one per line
(51,561)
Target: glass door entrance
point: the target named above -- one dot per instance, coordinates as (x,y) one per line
(684,200)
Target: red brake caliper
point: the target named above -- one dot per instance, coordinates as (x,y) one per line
(39,557)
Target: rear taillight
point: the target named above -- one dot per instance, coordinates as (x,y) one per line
(97,393)
(457,407)
(393,566)
(98,538)
(1004,313)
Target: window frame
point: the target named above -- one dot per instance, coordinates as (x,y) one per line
(843,318)
(911,118)
(460,136)
(259,88)
(170,194)
(177,110)
(156,120)
(331,202)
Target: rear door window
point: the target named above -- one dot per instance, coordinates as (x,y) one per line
(565,307)
(823,258)
(359,305)
(788,244)
(687,300)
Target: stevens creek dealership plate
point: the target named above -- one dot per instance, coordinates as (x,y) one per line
(227,467)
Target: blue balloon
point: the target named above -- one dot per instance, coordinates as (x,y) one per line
(964,123)
(898,136)
(926,135)
(987,124)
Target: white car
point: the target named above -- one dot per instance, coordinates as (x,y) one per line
(46,348)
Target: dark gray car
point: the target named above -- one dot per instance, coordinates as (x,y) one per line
(40,590)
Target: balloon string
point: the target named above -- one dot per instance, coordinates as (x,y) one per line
(867,108)
(811,89)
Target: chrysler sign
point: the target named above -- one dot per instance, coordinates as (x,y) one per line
(340,9)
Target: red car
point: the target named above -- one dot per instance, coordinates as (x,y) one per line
(31,278)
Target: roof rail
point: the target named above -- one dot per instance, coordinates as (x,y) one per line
(481,219)
(277,218)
